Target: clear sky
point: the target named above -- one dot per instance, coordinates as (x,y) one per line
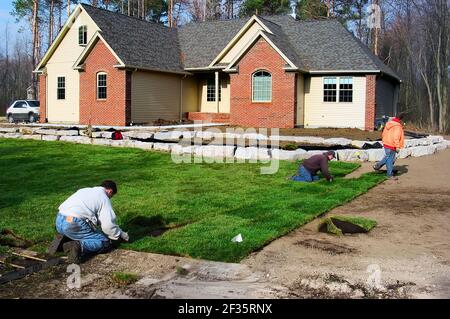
(5,16)
(7,20)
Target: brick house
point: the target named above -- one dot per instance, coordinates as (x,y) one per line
(105,68)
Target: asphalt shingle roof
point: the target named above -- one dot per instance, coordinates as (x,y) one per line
(202,42)
(139,43)
(327,45)
(323,45)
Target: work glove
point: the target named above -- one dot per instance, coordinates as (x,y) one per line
(397,150)
(124,236)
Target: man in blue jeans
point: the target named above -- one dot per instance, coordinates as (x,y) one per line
(393,138)
(78,219)
(308,170)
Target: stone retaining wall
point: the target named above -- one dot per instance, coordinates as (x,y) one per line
(134,139)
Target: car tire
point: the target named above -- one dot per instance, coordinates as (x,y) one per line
(31,118)
(10,118)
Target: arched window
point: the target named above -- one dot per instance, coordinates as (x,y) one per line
(82,35)
(101,86)
(262,86)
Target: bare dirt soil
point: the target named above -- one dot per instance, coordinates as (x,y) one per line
(407,255)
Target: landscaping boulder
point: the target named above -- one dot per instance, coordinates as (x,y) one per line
(309,140)
(188,135)
(423,150)
(32,137)
(337,141)
(435,139)
(118,143)
(375,155)
(27,130)
(8,130)
(101,141)
(67,132)
(46,131)
(441,146)
(180,149)
(301,154)
(50,137)
(404,153)
(139,144)
(425,141)
(208,135)
(415,142)
(12,135)
(138,135)
(76,139)
(102,134)
(254,136)
(352,155)
(283,138)
(285,155)
(168,136)
(252,153)
(165,147)
(215,151)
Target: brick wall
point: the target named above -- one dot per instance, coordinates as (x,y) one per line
(280,112)
(43,98)
(209,117)
(116,108)
(371,81)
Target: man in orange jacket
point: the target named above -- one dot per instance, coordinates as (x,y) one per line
(393,140)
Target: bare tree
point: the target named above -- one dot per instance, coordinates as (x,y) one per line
(51,22)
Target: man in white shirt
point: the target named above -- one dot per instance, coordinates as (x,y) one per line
(78,219)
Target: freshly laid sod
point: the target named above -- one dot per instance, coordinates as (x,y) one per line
(179,209)
(329,224)
(124,278)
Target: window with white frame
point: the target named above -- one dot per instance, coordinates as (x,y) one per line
(211,91)
(346,89)
(61,88)
(262,86)
(82,35)
(334,87)
(329,89)
(101,86)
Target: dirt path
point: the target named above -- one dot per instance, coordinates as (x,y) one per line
(409,249)
(410,246)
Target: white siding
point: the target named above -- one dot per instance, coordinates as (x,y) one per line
(155,96)
(327,114)
(61,64)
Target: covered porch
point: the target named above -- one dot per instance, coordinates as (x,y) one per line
(206,97)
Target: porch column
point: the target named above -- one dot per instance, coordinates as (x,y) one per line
(216,75)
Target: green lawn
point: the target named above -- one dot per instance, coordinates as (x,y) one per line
(212,202)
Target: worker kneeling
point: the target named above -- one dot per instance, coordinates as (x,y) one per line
(77,221)
(308,170)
